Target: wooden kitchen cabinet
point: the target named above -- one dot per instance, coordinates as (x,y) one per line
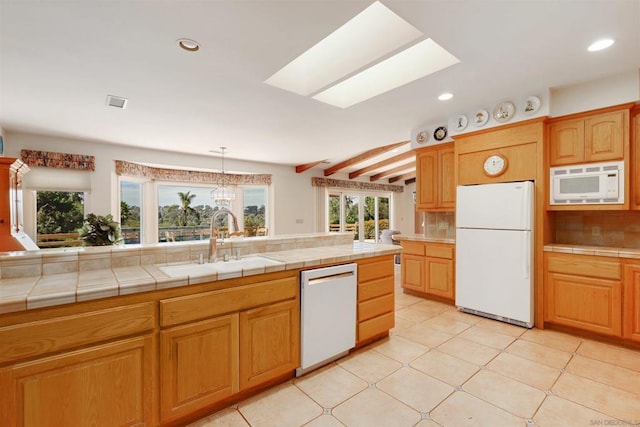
(269,342)
(435,183)
(109,384)
(200,365)
(428,269)
(75,368)
(375,298)
(594,138)
(218,343)
(631,308)
(584,292)
(439,270)
(634,173)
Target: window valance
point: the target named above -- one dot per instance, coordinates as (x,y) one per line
(180,175)
(49,159)
(357,185)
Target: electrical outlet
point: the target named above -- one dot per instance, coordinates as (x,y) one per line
(595,230)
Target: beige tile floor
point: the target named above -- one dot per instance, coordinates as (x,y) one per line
(440,367)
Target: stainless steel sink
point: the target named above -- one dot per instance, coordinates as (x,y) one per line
(252,264)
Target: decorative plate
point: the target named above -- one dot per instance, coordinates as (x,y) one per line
(440,133)
(504,112)
(481,118)
(461,122)
(421,137)
(531,105)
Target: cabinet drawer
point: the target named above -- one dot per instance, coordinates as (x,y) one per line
(584,265)
(413,248)
(377,325)
(375,288)
(179,310)
(375,307)
(439,251)
(370,270)
(46,336)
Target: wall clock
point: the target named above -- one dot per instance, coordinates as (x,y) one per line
(495,165)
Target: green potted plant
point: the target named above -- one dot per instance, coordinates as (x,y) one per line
(100,230)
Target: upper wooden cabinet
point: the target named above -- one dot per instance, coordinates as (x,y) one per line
(436,190)
(595,138)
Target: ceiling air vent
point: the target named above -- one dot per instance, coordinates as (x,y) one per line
(116,101)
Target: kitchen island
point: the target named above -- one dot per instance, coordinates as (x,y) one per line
(119,341)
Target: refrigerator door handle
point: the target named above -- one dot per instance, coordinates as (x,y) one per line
(526,202)
(526,253)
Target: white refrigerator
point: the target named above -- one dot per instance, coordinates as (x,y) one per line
(494,251)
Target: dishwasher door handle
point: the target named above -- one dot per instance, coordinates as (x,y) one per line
(322,279)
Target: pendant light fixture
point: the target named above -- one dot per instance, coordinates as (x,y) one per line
(222,195)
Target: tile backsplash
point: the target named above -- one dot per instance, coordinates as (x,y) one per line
(55,262)
(614,229)
(436,224)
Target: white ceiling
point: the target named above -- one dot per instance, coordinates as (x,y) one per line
(60,59)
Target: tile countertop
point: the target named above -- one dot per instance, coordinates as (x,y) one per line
(593,250)
(25,293)
(423,238)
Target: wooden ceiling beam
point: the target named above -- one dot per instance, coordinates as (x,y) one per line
(383,174)
(302,168)
(407,175)
(409,181)
(364,156)
(383,163)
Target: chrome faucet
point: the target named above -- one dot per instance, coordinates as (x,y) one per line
(213,241)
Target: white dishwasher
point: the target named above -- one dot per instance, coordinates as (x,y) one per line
(328,303)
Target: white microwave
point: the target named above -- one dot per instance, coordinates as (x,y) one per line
(592,183)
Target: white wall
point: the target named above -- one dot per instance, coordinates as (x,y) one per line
(292,193)
(611,90)
(294,201)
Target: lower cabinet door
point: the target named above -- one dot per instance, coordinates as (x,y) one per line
(632,302)
(413,277)
(269,342)
(584,302)
(106,385)
(198,365)
(439,274)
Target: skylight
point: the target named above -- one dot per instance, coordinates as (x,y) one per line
(370,35)
(367,38)
(417,61)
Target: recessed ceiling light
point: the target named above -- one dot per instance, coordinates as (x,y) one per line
(600,44)
(368,36)
(445,96)
(188,44)
(417,61)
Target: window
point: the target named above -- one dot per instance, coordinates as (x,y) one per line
(131,211)
(364,214)
(59,216)
(376,217)
(184,213)
(254,211)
